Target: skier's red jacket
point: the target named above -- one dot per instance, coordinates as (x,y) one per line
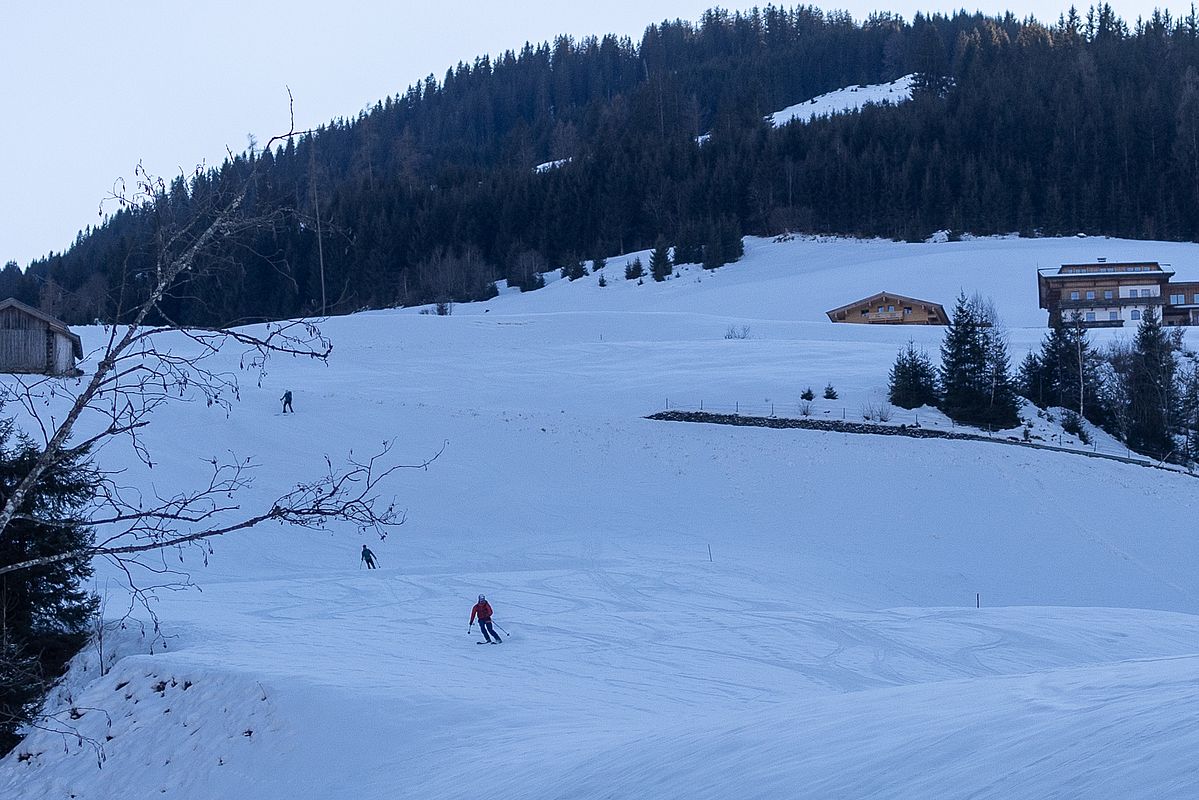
(482,610)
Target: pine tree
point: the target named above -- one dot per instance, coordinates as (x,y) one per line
(731,246)
(829,392)
(1002,406)
(1151,390)
(1066,373)
(659,262)
(574,269)
(633,269)
(977,387)
(963,364)
(713,249)
(913,379)
(1031,380)
(44,611)
(689,245)
(1189,413)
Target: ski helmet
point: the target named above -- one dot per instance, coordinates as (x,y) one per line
(481,598)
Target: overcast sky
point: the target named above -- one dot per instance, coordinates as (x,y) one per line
(89,88)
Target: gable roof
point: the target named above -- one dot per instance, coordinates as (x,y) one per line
(899,298)
(56,325)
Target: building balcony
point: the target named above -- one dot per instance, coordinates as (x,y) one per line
(884,316)
(1114,302)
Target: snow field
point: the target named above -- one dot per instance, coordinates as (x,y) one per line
(830,647)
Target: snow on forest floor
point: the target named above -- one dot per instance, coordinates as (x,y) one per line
(693,610)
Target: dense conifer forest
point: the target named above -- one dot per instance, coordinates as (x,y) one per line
(1085,124)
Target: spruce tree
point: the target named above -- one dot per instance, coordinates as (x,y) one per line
(633,269)
(1151,391)
(713,249)
(1002,402)
(913,379)
(1066,372)
(689,245)
(977,387)
(963,364)
(1190,414)
(44,611)
(1031,380)
(731,246)
(659,261)
(574,269)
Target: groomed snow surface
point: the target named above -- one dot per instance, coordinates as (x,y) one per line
(693,611)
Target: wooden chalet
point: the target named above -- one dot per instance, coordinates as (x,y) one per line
(1108,294)
(887,308)
(34,342)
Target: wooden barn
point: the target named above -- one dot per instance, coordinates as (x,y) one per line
(34,342)
(888,308)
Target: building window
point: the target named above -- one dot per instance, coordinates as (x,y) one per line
(865,312)
(1090,316)
(1107,295)
(1113,315)
(1178,299)
(1136,314)
(1090,295)
(1196,300)
(880,309)
(907,309)
(1146,293)
(1073,295)
(890,308)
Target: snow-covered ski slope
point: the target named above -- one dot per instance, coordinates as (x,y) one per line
(828,648)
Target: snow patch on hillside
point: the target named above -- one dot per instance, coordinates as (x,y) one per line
(845,100)
(548,165)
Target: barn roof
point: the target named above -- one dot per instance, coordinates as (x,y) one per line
(56,325)
(898,298)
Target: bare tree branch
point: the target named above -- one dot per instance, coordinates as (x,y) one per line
(148,359)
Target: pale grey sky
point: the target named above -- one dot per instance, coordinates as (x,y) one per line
(88,89)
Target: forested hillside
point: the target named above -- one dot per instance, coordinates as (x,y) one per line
(1086,124)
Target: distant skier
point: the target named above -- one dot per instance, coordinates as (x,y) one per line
(482,610)
(368,557)
(286,398)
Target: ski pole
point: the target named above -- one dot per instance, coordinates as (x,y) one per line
(501,627)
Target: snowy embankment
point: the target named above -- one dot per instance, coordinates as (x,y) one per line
(694,610)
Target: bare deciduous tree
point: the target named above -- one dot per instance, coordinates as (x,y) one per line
(147,360)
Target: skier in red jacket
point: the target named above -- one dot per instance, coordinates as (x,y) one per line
(482,610)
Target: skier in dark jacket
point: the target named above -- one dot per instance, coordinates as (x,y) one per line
(482,610)
(368,557)
(286,398)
